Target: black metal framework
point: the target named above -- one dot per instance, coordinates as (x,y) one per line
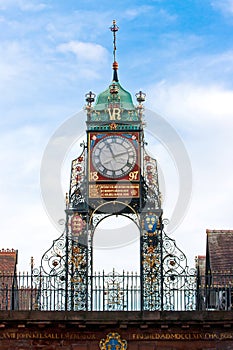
(66,281)
(115,292)
(125,184)
(164,281)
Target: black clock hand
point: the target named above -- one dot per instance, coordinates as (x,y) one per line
(120,161)
(121,154)
(110,149)
(107,161)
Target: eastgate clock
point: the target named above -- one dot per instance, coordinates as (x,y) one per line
(114,156)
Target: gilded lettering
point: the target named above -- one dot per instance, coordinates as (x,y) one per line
(226,335)
(211,336)
(9,335)
(114,113)
(173,336)
(46,335)
(181,336)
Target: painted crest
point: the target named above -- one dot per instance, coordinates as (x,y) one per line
(113,341)
(150,223)
(77,224)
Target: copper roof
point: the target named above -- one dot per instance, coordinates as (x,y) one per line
(220,250)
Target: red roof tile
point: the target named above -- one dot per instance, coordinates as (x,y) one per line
(8,261)
(220,248)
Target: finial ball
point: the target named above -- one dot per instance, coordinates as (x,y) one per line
(115,65)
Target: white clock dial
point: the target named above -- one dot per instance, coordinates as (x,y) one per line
(114,156)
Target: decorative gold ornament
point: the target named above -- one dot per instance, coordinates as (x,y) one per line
(113,341)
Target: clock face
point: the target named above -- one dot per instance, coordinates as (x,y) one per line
(114,156)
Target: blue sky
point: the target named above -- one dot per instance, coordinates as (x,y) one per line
(53,52)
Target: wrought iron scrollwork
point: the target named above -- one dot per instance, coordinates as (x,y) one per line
(65,278)
(78,182)
(153,195)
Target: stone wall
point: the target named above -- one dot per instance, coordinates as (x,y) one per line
(24,330)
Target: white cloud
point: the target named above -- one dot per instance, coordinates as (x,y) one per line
(161,13)
(84,51)
(200,109)
(133,13)
(222,62)
(203,116)
(23,5)
(14,62)
(24,224)
(225,6)
(211,103)
(20,155)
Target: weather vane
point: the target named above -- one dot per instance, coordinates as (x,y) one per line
(114,28)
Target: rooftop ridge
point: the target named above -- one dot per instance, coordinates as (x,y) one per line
(8,251)
(218,231)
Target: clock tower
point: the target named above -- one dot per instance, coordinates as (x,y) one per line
(114,175)
(115,143)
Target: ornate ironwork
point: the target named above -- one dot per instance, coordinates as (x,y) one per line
(152,195)
(151,260)
(114,291)
(178,280)
(166,283)
(78,185)
(68,263)
(62,277)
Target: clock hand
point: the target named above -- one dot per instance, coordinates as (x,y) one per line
(106,161)
(120,161)
(110,149)
(121,154)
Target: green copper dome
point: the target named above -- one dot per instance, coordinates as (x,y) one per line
(114,105)
(115,93)
(114,108)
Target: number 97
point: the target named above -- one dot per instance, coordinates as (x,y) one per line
(133,175)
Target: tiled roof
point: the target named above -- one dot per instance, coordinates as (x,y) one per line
(220,248)
(8,261)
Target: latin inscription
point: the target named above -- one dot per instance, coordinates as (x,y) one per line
(48,335)
(180,336)
(131,336)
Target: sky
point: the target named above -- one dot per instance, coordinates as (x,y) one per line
(180,53)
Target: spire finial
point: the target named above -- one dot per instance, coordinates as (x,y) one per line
(114,28)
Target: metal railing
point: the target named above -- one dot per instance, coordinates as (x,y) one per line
(215,291)
(115,292)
